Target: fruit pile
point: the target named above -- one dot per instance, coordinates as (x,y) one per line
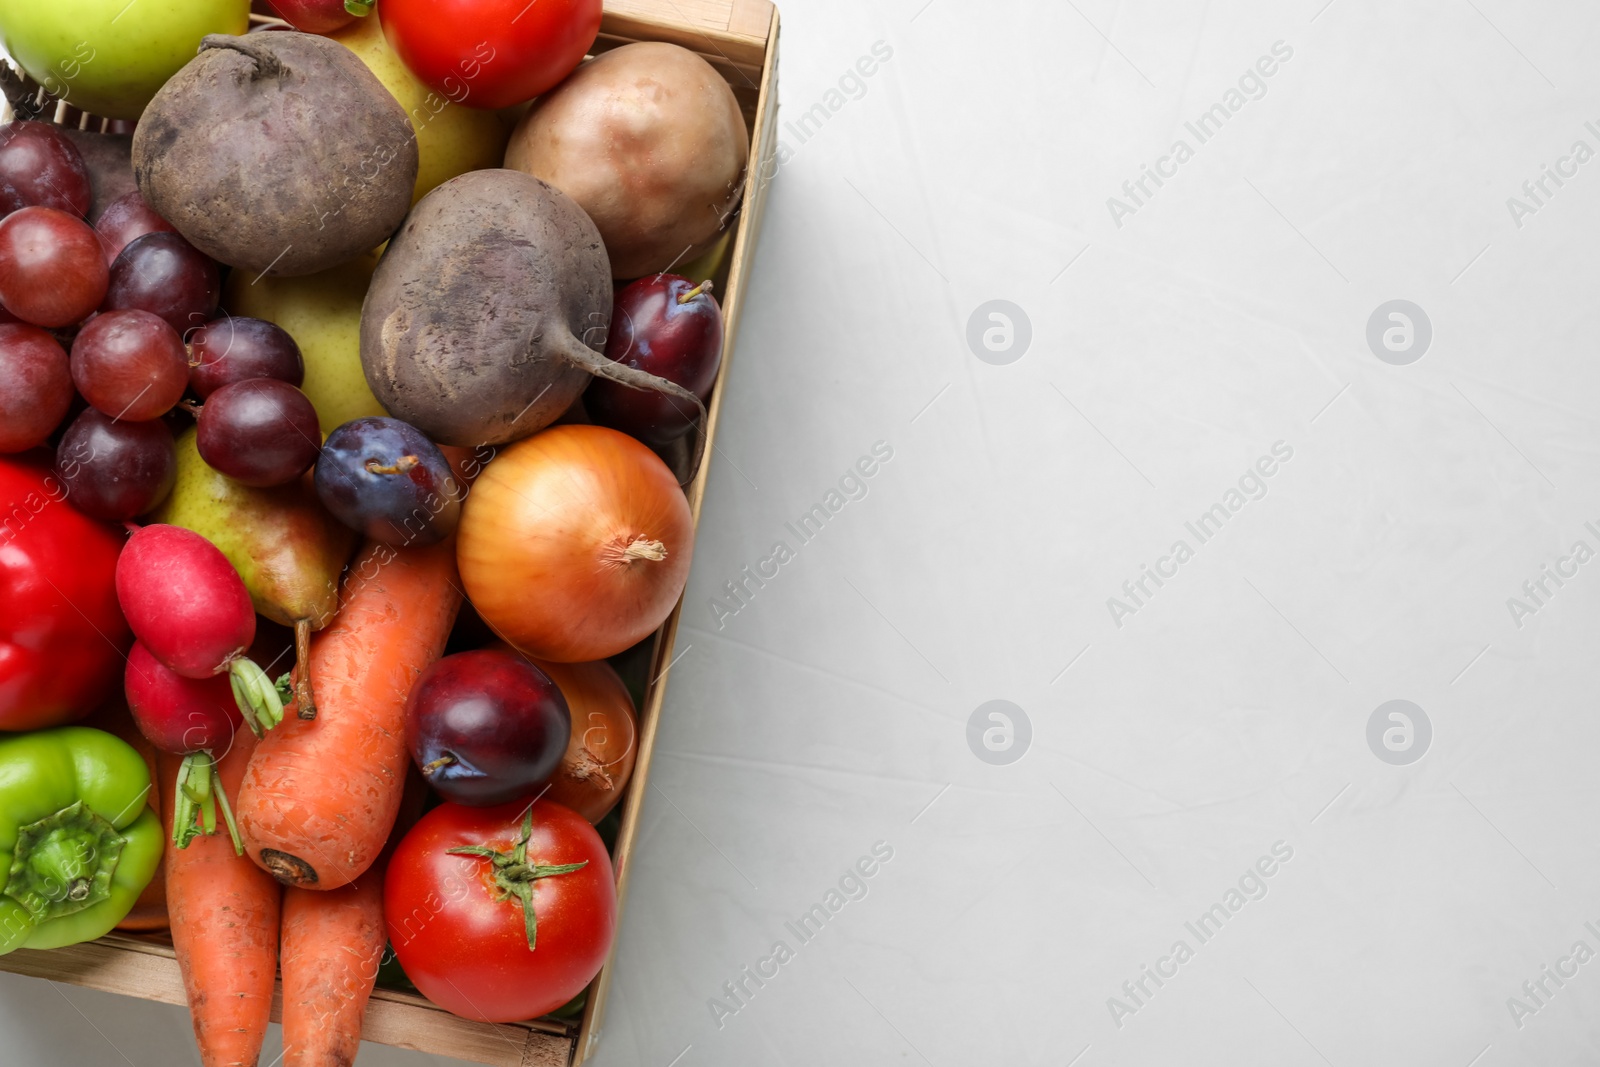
(346,402)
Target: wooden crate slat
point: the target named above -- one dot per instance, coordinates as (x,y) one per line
(139,969)
(735,49)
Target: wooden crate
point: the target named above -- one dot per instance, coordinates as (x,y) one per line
(740,39)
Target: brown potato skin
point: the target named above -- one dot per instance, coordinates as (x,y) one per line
(649,140)
(330,180)
(494,275)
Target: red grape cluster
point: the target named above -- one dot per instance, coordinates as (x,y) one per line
(118,322)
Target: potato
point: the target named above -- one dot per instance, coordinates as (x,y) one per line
(277,152)
(649,140)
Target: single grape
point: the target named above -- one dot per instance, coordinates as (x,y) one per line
(52,270)
(116,470)
(260,432)
(130,364)
(35,387)
(384,478)
(165,275)
(231,350)
(126,219)
(41,167)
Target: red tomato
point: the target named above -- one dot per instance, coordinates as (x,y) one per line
(490,53)
(457,923)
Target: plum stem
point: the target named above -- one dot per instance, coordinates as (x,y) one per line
(399,466)
(430,767)
(703,287)
(305,706)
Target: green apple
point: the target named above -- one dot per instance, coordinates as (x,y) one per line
(109,57)
(451,138)
(322,312)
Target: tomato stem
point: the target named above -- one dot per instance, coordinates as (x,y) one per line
(514,875)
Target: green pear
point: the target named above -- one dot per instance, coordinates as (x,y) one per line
(704,267)
(322,312)
(288,550)
(452,138)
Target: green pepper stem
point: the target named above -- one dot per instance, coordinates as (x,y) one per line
(63,863)
(199,793)
(255,694)
(514,875)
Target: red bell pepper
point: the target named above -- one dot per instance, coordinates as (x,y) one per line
(62,635)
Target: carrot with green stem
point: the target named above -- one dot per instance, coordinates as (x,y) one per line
(224,913)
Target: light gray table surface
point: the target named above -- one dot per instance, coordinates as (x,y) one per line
(1179,739)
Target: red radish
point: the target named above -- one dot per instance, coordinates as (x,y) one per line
(189,608)
(194,718)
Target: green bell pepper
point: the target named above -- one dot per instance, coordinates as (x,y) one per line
(78,842)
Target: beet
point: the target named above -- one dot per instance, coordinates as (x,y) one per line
(487,315)
(277,152)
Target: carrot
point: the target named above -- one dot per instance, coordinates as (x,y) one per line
(321,795)
(224,928)
(332,945)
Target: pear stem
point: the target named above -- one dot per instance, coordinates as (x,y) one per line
(305,707)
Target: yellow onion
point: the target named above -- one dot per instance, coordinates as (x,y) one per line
(575,543)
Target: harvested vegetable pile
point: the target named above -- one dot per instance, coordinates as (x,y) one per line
(308,510)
